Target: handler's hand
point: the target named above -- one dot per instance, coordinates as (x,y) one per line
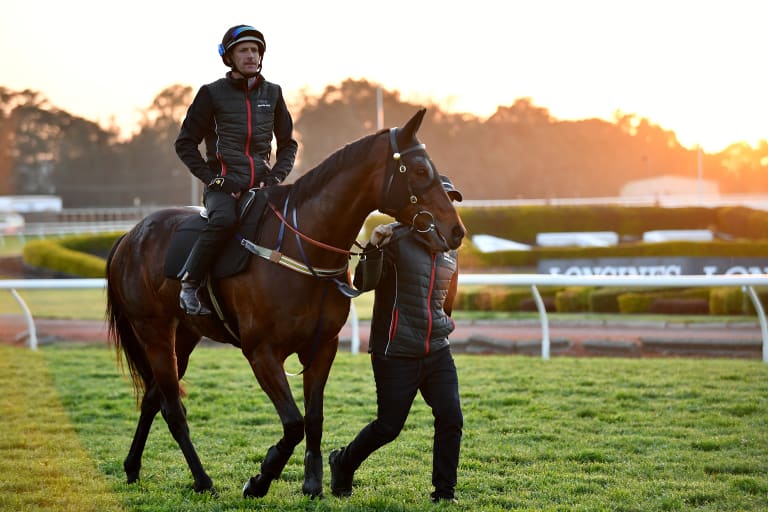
(381,234)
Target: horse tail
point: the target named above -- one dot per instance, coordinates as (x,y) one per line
(121,335)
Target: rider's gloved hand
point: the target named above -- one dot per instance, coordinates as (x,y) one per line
(271,180)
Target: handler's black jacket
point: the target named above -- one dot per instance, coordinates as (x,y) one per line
(413,296)
(237,124)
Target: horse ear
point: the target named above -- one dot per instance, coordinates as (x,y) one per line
(408,132)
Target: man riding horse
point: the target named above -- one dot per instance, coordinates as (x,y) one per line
(236,116)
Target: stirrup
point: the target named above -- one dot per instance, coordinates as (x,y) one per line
(201,309)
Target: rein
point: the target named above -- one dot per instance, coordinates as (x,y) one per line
(307,238)
(398,169)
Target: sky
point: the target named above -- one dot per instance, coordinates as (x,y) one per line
(696,67)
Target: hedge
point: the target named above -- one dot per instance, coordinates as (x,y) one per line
(77,256)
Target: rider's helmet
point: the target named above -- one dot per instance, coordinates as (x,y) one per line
(240,34)
(454,194)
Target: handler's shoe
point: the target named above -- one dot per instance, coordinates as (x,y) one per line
(440,498)
(189,299)
(341,479)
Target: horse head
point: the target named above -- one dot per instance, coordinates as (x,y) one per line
(413,193)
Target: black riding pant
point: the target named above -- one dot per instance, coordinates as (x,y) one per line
(397,381)
(222,220)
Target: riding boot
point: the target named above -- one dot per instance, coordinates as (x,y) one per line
(189,298)
(195,268)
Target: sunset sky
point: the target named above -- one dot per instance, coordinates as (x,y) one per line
(695,67)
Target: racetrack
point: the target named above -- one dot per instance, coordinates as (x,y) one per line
(631,338)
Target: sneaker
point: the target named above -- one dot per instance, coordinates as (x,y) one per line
(341,480)
(439,498)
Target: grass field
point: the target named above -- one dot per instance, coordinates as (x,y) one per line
(566,434)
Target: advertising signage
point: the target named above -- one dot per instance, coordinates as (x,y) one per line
(657,266)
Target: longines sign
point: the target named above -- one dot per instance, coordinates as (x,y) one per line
(653,266)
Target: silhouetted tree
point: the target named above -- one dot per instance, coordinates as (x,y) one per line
(153,173)
(519,152)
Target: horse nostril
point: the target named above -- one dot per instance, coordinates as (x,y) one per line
(458,233)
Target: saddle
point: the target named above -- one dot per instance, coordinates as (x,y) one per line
(233,258)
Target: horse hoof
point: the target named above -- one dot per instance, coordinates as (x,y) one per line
(312,491)
(205,486)
(210,491)
(256,487)
(131,477)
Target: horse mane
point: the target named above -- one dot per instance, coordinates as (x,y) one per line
(349,155)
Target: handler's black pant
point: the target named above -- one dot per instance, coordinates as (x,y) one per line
(397,380)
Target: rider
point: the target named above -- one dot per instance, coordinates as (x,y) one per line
(236,116)
(410,353)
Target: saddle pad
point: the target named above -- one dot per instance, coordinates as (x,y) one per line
(233,258)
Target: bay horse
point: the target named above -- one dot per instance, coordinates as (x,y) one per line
(274,310)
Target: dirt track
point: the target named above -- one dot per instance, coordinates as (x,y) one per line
(584,338)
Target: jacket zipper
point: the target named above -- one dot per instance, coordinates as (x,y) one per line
(429,302)
(250,134)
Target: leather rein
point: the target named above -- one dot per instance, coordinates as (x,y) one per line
(305,267)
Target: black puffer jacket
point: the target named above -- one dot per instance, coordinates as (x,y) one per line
(235,148)
(410,312)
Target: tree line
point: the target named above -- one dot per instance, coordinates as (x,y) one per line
(521,151)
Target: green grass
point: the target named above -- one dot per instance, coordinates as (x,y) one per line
(76,304)
(43,465)
(11,245)
(564,434)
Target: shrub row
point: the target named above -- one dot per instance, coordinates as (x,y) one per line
(77,256)
(746,228)
(523,223)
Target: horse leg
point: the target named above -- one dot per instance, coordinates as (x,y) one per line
(150,406)
(162,359)
(315,379)
(270,373)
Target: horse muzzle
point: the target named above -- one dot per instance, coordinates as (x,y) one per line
(440,239)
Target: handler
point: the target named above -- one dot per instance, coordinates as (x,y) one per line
(410,352)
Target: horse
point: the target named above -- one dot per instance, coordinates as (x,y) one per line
(294,300)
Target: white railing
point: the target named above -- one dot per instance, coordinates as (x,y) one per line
(747,282)
(41,284)
(45,229)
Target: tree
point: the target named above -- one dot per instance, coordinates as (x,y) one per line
(152,172)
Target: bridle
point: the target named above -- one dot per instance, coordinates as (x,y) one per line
(396,181)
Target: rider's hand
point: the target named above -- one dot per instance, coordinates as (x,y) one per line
(270,180)
(222,184)
(381,234)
